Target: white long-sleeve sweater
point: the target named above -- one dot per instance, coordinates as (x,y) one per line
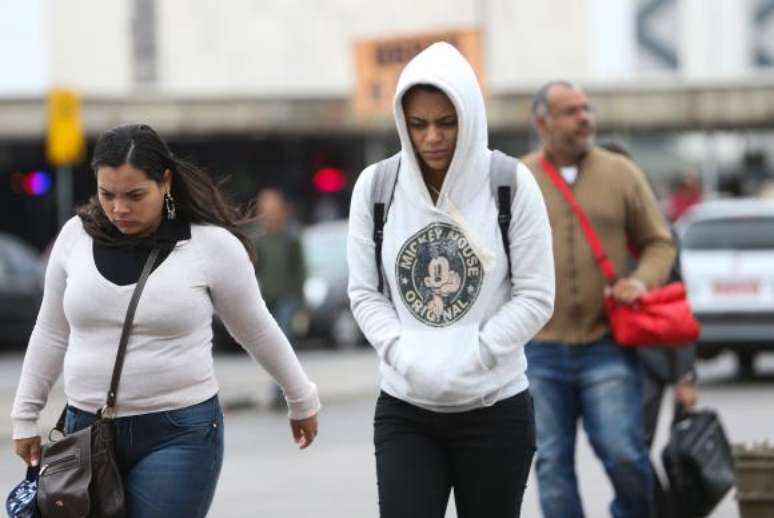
(168,363)
(452,330)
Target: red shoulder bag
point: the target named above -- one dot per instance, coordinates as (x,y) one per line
(662,316)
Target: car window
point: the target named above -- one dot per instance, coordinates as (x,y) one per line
(325,251)
(730,234)
(17,259)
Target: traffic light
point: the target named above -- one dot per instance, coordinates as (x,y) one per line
(65,143)
(329,180)
(34,183)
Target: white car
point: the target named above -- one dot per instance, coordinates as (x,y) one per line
(727,263)
(325,288)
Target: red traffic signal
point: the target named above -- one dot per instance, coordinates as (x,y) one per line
(329,180)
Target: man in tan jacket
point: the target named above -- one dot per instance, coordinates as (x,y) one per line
(576,370)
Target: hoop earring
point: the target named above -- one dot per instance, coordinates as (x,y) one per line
(169,204)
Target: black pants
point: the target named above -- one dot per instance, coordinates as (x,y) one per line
(484,454)
(652,394)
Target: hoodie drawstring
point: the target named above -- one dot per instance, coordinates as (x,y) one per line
(486,256)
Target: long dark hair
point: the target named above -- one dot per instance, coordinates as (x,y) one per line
(197,198)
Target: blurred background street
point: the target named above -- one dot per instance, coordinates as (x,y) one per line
(295,96)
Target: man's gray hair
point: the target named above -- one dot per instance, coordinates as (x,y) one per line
(540,99)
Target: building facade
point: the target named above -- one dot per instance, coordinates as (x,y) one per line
(262,90)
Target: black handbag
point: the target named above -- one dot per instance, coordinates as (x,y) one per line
(698,463)
(79,475)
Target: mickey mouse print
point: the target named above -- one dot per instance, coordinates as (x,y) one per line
(439,275)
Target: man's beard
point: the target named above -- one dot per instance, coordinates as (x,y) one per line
(578,146)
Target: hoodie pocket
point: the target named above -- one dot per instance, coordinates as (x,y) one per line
(444,368)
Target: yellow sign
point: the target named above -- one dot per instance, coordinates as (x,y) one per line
(65,144)
(378,64)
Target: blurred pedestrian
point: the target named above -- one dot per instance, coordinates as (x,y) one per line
(279,260)
(576,370)
(662,367)
(279,267)
(450,327)
(169,423)
(685,195)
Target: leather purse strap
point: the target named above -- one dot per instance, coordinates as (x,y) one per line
(119,363)
(603,261)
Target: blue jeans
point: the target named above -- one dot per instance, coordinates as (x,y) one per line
(170,461)
(600,383)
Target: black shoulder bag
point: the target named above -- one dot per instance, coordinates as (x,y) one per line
(698,462)
(79,476)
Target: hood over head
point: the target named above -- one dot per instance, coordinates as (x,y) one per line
(442,66)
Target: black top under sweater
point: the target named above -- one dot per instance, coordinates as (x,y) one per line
(123,265)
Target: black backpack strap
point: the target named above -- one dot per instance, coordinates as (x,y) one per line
(382,191)
(503,183)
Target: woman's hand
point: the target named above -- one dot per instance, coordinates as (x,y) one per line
(304,431)
(29,450)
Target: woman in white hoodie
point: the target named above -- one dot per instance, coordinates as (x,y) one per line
(452,319)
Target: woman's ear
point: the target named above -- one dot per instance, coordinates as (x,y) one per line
(167,181)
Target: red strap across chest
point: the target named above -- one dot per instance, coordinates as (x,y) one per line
(603,261)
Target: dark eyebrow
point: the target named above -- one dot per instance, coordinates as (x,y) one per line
(138,190)
(413,118)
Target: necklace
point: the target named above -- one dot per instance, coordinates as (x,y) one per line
(435,191)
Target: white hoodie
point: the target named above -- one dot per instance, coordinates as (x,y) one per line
(451,339)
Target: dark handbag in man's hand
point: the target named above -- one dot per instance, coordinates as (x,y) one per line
(662,316)
(22,500)
(698,462)
(79,475)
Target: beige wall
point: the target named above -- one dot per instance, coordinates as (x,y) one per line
(714,37)
(530,42)
(89,45)
(23,48)
(303,48)
(293,48)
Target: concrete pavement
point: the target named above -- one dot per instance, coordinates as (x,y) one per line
(338,375)
(343,456)
(243,383)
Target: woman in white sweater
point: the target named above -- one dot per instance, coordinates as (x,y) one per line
(169,425)
(451,324)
